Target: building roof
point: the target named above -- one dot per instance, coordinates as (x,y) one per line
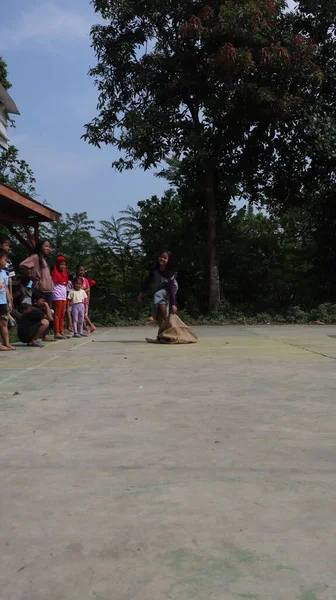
(8,102)
(21,209)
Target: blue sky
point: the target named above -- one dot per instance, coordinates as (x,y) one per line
(46,45)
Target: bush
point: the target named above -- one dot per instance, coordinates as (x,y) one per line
(297,315)
(264,318)
(279,319)
(230,315)
(325,312)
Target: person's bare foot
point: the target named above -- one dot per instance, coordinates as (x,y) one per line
(3,348)
(10,347)
(47,338)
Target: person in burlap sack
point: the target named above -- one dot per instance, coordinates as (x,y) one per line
(162,280)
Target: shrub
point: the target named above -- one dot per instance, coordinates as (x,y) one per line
(296,315)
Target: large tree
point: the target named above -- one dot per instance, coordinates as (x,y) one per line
(207,82)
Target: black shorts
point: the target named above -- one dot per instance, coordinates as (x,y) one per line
(26,334)
(4,314)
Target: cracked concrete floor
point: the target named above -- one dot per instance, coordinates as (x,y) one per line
(139,472)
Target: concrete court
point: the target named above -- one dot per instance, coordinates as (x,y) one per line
(139,472)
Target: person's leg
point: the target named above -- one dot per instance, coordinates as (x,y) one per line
(88,320)
(69,317)
(57,306)
(161,314)
(75,318)
(5,335)
(81,312)
(62,316)
(48,298)
(161,306)
(39,333)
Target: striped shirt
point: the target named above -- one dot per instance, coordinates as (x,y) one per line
(9,269)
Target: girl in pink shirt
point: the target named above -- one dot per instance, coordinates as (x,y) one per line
(80,273)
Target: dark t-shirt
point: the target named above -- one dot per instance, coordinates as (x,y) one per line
(170,283)
(29,323)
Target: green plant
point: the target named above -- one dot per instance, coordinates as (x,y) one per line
(296,315)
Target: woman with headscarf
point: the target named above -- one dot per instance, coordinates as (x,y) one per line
(60,279)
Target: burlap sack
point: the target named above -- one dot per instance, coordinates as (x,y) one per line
(174,331)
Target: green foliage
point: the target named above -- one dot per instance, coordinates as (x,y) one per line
(270,271)
(16,172)
(4,75)
(72,237)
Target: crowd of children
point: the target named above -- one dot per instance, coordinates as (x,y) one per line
(43,299)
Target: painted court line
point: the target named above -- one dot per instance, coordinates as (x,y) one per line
(29,369)
(48,360)
(292,345)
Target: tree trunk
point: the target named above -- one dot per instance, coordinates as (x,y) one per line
(214,288)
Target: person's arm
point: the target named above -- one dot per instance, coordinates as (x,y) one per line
(86,285)
(11,274)
(30,267)
(47,311)
(9,299)
(145,285)
(10,287)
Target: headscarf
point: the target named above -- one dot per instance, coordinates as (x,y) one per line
(59,277)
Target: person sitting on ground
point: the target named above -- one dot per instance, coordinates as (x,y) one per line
(59,296)
(34,322)
(5,303)
(82,276)
(163,281)
(77,297)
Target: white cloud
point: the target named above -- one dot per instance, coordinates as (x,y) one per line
(46,21)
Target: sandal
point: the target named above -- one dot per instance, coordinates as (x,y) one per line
(49,339)
(35,344)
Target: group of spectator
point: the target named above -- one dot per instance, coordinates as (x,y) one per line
(43,299)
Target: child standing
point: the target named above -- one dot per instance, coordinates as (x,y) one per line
(77,296)
(5,303)
(60,279)
(5,245)
(81,274)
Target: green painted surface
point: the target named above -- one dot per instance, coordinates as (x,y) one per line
(308,595)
